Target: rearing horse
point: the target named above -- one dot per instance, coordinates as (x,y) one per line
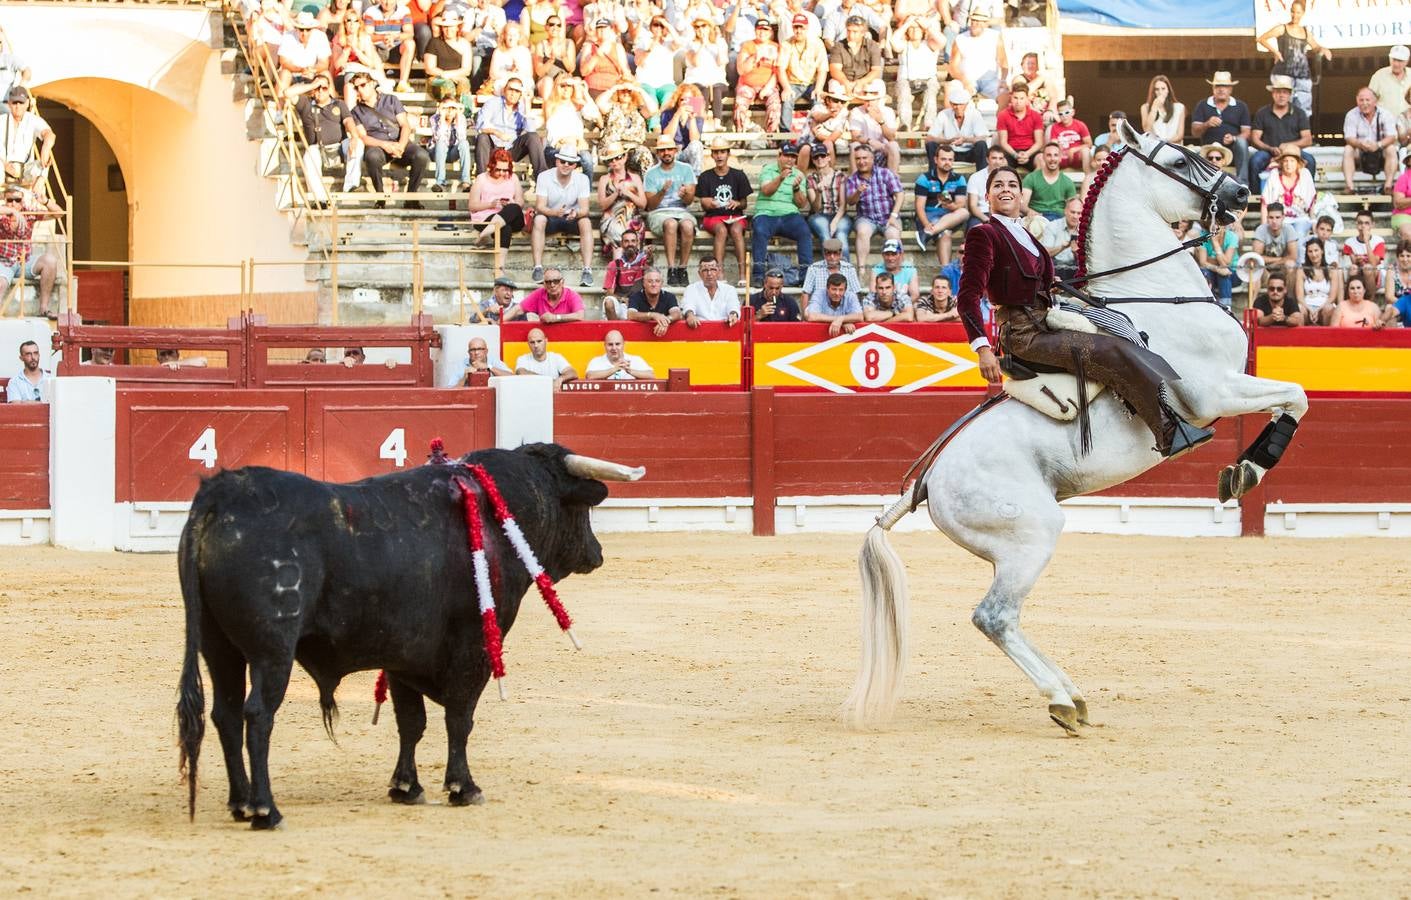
(995,488)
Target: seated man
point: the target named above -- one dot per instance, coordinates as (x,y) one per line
(303,55)
(771,304)
(1364,253)
(1061,239)
(783,194)
(500,306)
(939,305)
(902,273)
(624,273)
(502,123)
(17,219)
(839,307)
(561,199)
(1047,189)
(171,359)
(478,359)
(815,280)
(380,123)
(1074,141)
(1277,306)
(616,364)
(23,129)
(27,386)
(315,356)
(1276,244)
(724,192)
(940,203)
(710,299)
(540,360)
(1370,137)
(390,24)
(103,356)
(553,303)
(876,194)
(887,304)
(352,356)
(322,115)
(671,189)
(652,304)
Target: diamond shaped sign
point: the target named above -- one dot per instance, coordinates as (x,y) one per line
(873,357)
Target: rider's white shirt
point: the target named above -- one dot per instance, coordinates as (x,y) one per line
(1021,234)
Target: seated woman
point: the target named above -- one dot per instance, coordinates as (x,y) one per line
(565,112)
(1318,286)
(603,62)
(682,120)
(624,110)
(556,55)
(706,57)
(353,51)
(511,58)
(1356,310)
(621,196)
(497,201)
(1290,184)
(448,58)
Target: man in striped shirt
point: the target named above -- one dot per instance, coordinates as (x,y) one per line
(391,25)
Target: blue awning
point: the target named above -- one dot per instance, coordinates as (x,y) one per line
(1182,14)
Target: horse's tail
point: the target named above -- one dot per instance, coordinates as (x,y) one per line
(884,622)
(191,700)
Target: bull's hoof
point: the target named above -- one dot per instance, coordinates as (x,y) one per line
(473,797)
(266,821)
(240,813)
(1065,716)
(1236,481)
(409,794)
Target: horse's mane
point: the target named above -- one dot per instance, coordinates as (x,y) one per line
(1099,179)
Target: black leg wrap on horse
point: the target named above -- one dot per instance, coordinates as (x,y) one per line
(1269,447)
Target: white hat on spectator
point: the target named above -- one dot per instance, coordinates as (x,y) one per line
(1401,52)
(1279,83)
(305,21)
(567,153)
(874,90)
(1222,78)
(956,92)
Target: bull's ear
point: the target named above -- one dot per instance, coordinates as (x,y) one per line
(583,492)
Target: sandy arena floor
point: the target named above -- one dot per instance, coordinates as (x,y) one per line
(1255,736)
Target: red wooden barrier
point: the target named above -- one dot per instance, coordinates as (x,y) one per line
(693,445)
(420,336)
(73,336)
(101,297)
(354,434)
(168,440)
(24,456)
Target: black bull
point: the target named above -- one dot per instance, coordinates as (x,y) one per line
(277,567)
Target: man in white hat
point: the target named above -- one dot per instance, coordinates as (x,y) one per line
(1277,123)
(561,198)
(1391,82)
(959,127)
(302,55)
(875,125)
(1222,119)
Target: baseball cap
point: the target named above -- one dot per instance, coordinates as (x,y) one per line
(1401,52)
(891,245)
(801,19)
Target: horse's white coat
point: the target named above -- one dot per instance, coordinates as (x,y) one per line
(996,486)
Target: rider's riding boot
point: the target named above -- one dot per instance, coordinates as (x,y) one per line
(1179,436)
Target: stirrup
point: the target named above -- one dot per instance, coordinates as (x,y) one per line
(1187,438)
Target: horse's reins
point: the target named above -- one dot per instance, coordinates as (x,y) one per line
(1210,195)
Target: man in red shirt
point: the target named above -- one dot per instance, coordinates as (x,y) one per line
(1072,138)
(1020,128)
(623,274)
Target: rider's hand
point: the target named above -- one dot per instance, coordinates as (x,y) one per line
(989,366)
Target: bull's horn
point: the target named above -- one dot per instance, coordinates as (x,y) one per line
(601,469)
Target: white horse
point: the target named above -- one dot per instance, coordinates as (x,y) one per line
(994,489)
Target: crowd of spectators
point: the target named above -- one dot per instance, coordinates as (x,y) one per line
(638,88)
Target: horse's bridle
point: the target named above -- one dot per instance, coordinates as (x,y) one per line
(1213,207)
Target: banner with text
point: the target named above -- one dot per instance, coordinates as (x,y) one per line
(1343,23)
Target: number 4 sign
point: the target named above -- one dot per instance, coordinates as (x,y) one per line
(204,450)
(394,447)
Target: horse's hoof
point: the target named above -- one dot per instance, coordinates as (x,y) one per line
(1082,709)
(1065,716)
(474,798)
(266,821)
(1236,481)
(409,795)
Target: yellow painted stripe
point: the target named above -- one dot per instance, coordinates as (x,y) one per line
(710,362)
(1378,369)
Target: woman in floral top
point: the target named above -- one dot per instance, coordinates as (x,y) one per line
(825,196)
(624,110)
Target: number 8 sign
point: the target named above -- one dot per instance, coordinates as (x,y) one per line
(873,364)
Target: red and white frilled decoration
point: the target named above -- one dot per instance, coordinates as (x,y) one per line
(489,624)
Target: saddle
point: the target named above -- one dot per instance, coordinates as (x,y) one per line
(1049,389)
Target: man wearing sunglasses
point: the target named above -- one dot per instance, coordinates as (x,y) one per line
(16,233)
(381,125)
(502,123)
(322,116)
(22,129)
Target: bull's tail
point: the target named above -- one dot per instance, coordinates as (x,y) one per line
(191,700)
(884,623)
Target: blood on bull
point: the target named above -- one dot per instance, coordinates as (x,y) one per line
(276,568)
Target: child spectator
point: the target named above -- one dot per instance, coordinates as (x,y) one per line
(1364,252)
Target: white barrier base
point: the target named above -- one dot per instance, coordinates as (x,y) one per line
(732,514)
(22,527)
(1324,520)
(148,527)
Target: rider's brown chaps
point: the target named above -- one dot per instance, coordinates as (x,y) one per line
(1134,373)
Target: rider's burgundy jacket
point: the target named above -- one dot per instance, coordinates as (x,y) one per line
(996,267)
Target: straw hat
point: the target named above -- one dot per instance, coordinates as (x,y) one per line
(1279,83)
(1221,79)
(612,151)
(1226,155)
(666,142)
(1289,149)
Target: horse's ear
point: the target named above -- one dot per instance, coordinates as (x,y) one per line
(1129,134)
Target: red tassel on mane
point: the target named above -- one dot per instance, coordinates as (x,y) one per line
(1099,179)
